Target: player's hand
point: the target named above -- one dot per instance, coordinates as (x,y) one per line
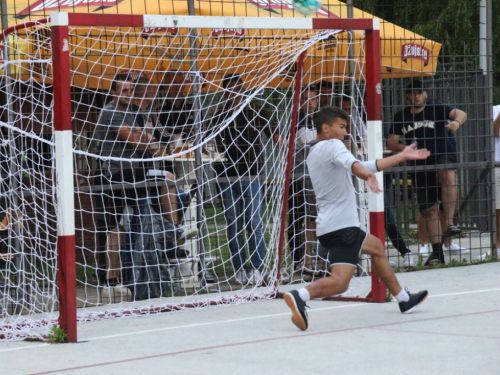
(412,153)
(279,140)
(373,183)
(161,151)
(452,126)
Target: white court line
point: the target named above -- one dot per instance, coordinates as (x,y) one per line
(358,304)
(463,293)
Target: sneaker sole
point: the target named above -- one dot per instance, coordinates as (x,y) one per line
(450,232)
(297,318)
(456,251)
(434,262)
(187,235)
(413,308)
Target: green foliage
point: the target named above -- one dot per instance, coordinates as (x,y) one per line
(57,335)
(453,23)
(388,297)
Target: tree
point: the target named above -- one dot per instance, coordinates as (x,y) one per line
(453,23)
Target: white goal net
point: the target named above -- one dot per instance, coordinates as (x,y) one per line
(180,153)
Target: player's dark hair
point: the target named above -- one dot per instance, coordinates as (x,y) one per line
(141,85)
(231,78)
(344,98)
(325,85)
(120,77)
(311,87)
(328,115)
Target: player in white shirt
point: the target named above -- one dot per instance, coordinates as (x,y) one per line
(331,167)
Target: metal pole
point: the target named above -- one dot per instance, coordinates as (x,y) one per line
(350,56)
(12,148)
(484,14)
(196,108)
(486,58)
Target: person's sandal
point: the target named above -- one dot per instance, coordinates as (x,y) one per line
(453,230)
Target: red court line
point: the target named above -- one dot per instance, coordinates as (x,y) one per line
(377,326)
(436,333)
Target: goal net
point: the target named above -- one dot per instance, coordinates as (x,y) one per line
(186,193)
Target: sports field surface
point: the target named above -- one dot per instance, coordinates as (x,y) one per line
(455,331)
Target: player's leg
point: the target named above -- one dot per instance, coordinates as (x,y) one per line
(407,301)
(113,246)
(435,236)
(230,199)
(428,196)
(295,225)
(310,222)
(449,196)
(169,199)
(497,207)
(448,184)
(342,249)
(422,234)
(119,207)
(310,243)
(252,206)
(336,283)
(373,247)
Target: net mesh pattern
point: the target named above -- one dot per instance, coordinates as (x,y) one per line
(179,167)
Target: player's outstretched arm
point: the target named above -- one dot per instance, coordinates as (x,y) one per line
(361,172)
(408,153)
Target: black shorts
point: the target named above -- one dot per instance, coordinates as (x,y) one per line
(427,185)
(342,246)
(111,202)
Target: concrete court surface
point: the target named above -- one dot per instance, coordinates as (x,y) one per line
(455,331)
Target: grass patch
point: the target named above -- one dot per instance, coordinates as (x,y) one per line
(57,335)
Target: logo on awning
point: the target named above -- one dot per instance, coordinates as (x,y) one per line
(236,32)
(53,5)
(275,5)
(147,31)
(415,51)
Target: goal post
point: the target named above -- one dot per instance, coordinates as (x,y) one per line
(94,245)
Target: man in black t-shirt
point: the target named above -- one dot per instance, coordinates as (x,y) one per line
(431,125)
(239,180)
(174,115)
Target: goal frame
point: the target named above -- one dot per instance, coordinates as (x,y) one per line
(63,134)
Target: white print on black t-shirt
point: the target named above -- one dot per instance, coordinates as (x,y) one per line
(417,125)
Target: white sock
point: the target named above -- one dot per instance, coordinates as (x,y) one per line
(304,294)
(402,296)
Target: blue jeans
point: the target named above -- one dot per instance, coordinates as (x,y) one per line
(144,202)
(246,197)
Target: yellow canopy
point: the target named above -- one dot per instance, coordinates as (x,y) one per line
(403,53)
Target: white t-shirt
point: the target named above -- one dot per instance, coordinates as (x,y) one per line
(330,168)
(496,112)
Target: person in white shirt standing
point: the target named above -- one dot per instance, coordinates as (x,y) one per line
(331,167)
(496,134)
(301,201)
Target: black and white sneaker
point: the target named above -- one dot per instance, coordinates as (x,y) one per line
(435,259)
(298,307)
(415,300)
(181,236)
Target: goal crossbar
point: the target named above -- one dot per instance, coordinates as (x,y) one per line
(79,19)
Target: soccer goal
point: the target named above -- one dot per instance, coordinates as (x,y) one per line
(147,161)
